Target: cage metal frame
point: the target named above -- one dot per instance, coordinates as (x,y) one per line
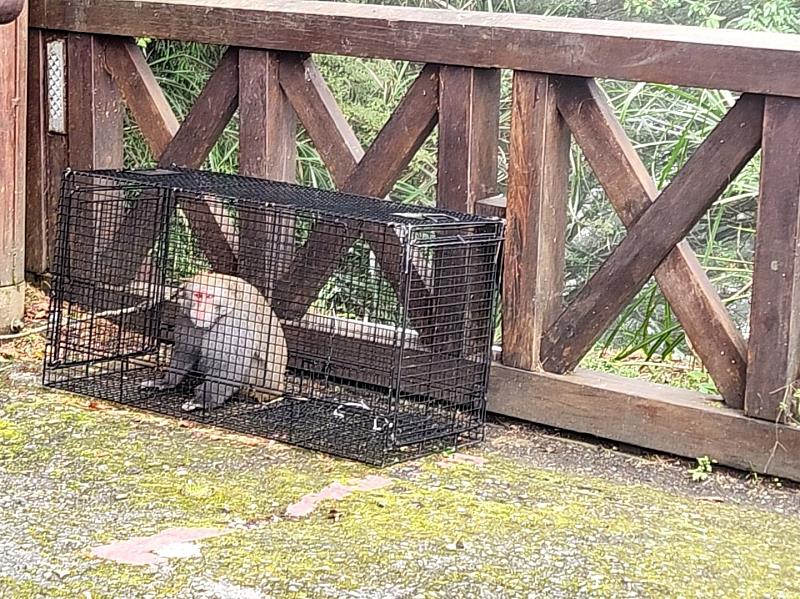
(408,223)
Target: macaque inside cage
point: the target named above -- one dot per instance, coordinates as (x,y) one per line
(340,323)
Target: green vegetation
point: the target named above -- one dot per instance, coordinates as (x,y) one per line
(666,124)
(703,470)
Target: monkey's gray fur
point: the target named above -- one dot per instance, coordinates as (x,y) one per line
(238,344)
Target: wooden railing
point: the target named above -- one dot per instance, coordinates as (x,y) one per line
(268,75)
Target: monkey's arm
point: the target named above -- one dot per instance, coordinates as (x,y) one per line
(225,357)
(184,355)
(219,384)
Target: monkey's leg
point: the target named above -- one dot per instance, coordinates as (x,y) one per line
(184,356)
(223,379)
(210,395)
(182,361)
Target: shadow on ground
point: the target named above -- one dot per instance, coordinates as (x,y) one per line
(542,516)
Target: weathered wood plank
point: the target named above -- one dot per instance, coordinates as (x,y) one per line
(94,107)
(691,56)
(399,138)
(404,133)
(142,94)
(538,189)
(268,124)
(321,116)
(631,190)
(267,149)
(774,349)
(210,114)
(469,112)
(676,421)
(94,130)
(40,213)
(668,220)
(13,84)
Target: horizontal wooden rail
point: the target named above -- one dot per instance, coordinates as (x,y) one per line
(691,56)
(677,421)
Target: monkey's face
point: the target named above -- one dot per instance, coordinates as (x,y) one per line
(205,304)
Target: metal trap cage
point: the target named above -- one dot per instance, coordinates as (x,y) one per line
(340,323)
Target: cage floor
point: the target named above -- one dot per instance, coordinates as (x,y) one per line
(341,426)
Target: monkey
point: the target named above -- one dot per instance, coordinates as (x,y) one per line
(226,331)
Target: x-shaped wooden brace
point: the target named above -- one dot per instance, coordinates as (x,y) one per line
(657,225)
(372,173)
(187,144)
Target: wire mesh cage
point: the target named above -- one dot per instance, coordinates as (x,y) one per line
(351,325)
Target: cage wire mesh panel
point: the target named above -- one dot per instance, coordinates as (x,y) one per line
(339,323)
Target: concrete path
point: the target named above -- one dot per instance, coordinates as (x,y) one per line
(102,502)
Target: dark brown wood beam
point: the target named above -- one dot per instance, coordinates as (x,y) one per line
(639,413)
(403,135)
(538,189)
(94,130)
(321,116)
(469,121)
(668,220)
(267,121)
(142,95)
(631,191)
(395,146)
(210,114)
(469,131)
(94,107)
(774,364)
(691,56)
(267,149)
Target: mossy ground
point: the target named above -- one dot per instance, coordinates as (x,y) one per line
(75,474)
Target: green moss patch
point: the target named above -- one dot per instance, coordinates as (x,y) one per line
(99,475)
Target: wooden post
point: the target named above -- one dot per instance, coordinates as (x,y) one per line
(469,101)
(538,184)
(13,84)
(94,130)
(47,152)
(774,348)
(267,149)
(94,106)
(469,121)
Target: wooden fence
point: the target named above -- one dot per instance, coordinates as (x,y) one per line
(267,73)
